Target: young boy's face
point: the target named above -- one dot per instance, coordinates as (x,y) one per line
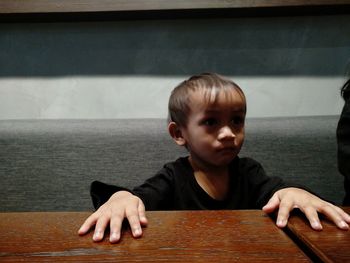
(214,133)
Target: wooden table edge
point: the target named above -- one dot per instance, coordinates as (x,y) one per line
(312,251)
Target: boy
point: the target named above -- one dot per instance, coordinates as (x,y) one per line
(206,115)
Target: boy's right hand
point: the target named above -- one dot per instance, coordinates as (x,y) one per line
(120,205)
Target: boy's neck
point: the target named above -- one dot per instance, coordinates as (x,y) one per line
(213,180)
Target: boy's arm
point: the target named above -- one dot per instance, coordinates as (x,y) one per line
(114,203)
(285,200)
(272,193)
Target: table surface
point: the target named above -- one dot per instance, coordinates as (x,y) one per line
(176,236)
(329,245)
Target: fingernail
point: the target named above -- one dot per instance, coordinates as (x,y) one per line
(114,237)
(316,225)
(280,222)
(344,225)
(137,232)
(97,235)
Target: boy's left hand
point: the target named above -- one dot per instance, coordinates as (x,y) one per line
(289,198)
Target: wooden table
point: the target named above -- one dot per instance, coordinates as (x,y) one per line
(186,236)
(329,245)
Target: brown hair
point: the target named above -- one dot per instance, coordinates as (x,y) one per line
(210,83)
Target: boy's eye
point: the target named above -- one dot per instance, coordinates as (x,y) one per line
(238,120)
(210,122)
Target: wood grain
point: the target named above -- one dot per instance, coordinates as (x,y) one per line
(329,245)
(185,236)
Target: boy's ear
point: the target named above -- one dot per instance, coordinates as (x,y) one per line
(176,134)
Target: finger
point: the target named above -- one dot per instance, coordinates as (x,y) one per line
(88,224)
(343,214)
(116,226)
(335,215)
(312,215)
(134,222)
(100,228)
(272,204)
(283,213)
(142,214)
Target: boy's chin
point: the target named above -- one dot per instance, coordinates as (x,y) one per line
(224,161)
(217,161)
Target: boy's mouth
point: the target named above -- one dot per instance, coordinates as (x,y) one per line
(225,150)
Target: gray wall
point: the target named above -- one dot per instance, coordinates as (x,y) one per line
(288,66)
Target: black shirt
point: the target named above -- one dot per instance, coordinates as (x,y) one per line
(175,188)
(343,138)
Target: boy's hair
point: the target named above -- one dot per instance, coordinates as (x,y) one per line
(210,83)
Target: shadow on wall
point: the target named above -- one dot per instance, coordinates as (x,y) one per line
(239,46)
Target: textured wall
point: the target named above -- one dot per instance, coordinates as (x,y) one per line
(288,66)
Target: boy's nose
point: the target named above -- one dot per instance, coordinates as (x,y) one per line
(226,133)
